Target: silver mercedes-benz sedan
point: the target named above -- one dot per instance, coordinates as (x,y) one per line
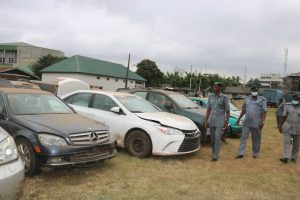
(11,168)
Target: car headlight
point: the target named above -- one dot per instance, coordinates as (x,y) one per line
(8,150)
(52,140)
(168,131)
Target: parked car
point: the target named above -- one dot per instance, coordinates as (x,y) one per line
(238,97)
(11,168)
(137,125)
(234,129)
(49,133)
(176,103)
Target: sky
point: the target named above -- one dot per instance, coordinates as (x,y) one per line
(212,36)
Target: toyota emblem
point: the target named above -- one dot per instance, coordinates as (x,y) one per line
(94,136)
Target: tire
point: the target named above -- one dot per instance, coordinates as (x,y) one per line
(27,154)
(138,143)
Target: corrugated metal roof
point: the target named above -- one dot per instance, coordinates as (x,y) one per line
(86,65)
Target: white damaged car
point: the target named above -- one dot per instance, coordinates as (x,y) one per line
(136,124)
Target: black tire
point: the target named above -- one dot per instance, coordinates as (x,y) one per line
(138,143)
(27,154)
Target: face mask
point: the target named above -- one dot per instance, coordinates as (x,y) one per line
(294,102)
(254,94)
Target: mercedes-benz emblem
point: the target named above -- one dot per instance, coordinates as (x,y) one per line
(94,136)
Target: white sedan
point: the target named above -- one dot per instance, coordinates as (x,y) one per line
(136,124)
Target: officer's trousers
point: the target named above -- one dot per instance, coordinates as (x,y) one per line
(286,145)
(215,139)
(256,140)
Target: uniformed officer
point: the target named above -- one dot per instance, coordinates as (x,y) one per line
(217,106)
(290,127)
(255,108)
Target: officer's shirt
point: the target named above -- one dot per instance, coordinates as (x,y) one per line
(292,122)
(254,109)
(218,104)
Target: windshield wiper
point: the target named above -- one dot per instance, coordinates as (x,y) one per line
(136,111)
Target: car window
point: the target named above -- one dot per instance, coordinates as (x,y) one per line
(159,100)
(141,94)
(103,102)
(2,105)
(79,99)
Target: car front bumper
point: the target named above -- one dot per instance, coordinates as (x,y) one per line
(77,155)
(11,179)
(177,145)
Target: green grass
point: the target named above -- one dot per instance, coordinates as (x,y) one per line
(179,177)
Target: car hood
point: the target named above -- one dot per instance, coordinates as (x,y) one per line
(168,119)
(61,124)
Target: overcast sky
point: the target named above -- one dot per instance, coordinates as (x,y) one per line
(215,36)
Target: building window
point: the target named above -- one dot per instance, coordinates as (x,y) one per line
(138,82)
(124,81)
(107,78)
(116,80)
(1,60)
(131,81)
(11,60)
(98,77)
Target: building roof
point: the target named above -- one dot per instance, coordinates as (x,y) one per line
(14,45)
(24,69)
(86,65)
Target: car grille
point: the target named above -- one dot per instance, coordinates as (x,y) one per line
(89,137)
(191,133)
(92,155)
(190,143)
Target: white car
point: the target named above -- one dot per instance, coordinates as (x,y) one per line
(12,170)
(136,124)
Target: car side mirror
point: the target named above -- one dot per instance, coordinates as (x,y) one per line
(116,110)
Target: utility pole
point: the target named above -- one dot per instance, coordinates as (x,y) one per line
(200,82)
(126,81)
(286,51)
(191,79)
(245,76)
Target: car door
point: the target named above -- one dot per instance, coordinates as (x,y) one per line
(101,108)
(5,123)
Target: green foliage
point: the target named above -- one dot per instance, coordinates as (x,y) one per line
(46,61)
(182,80)
(253,82)
(149,70)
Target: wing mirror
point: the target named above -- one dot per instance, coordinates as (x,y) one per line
(116,110)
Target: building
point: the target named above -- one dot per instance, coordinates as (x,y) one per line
(20,53)
(102,74)
(292,82)
(271,81)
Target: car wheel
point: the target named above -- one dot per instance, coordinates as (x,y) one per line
(138,144)
(27,154)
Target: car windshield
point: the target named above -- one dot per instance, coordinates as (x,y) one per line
(36,104)
(183,101)
(136,104)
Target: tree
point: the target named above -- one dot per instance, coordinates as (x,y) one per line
(149,70)
(253,82)
(46,61)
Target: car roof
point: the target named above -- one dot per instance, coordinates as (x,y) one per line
(22,91)
(155,90)
(106,92)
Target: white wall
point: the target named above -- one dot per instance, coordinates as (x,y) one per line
(110,84)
